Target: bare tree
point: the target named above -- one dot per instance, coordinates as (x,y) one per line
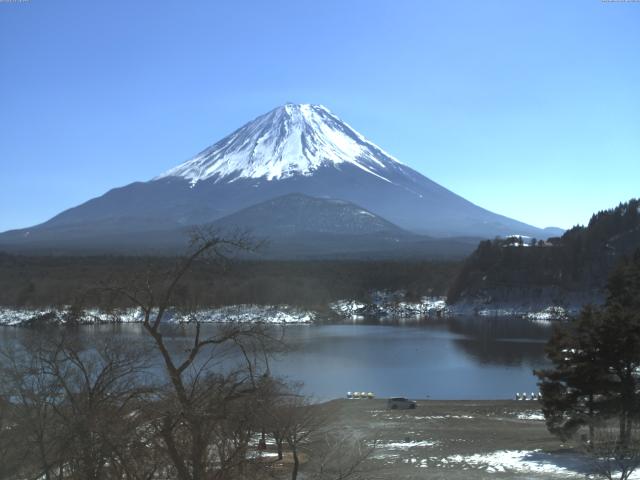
(304,420)
(29,397)
(304,428)
(202,417)
(101,386)
(343,457)
(72,406)
(89,412)
(611,458)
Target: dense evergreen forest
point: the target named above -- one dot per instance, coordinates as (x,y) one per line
(38,281)
(578,262)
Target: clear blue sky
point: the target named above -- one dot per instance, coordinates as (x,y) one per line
(528,108)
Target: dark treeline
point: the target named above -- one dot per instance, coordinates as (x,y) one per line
(38,281)
(579,261)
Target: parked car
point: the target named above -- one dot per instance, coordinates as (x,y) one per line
(400,403)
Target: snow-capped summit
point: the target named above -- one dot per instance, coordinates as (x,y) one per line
(294,139)
(292,150)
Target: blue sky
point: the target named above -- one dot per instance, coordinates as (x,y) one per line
(530,109)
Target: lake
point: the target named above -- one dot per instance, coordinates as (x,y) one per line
(460,358)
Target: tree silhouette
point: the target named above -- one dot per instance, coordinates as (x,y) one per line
(596,363)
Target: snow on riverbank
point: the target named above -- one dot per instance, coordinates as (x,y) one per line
(542,314)
(280,314)
(384,304)
(391,304)
(381,305)
(255,313)
(11,317)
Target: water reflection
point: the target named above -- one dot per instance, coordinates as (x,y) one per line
(501,341)
(462,358)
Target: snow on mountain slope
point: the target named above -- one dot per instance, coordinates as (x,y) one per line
(293,149)
(289,140)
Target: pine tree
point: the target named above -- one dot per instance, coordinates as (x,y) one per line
(596,362)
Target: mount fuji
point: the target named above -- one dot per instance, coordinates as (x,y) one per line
(293,149)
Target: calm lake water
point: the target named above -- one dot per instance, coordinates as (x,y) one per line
(470,358)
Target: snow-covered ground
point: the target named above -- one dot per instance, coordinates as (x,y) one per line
(10,316)
(405,445)
(534,462)
(531,415)
(278,314)
(253,313)
(517,461)
(391,304)
(543,315)
(383,305)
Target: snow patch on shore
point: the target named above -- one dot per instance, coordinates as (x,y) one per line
(383,304)
(253,314)
(530,416)
(517,461)
(406,445)
(426,417)
(547,314)
(276,314)
(544,316)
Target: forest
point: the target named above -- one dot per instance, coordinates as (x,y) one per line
(579,261)
(38,281)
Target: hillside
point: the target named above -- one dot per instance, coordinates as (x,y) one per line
(570,270)
(296,213)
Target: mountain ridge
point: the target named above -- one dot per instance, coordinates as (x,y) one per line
(291,149)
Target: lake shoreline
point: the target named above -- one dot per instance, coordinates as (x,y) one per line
(456,358)
(428,308)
